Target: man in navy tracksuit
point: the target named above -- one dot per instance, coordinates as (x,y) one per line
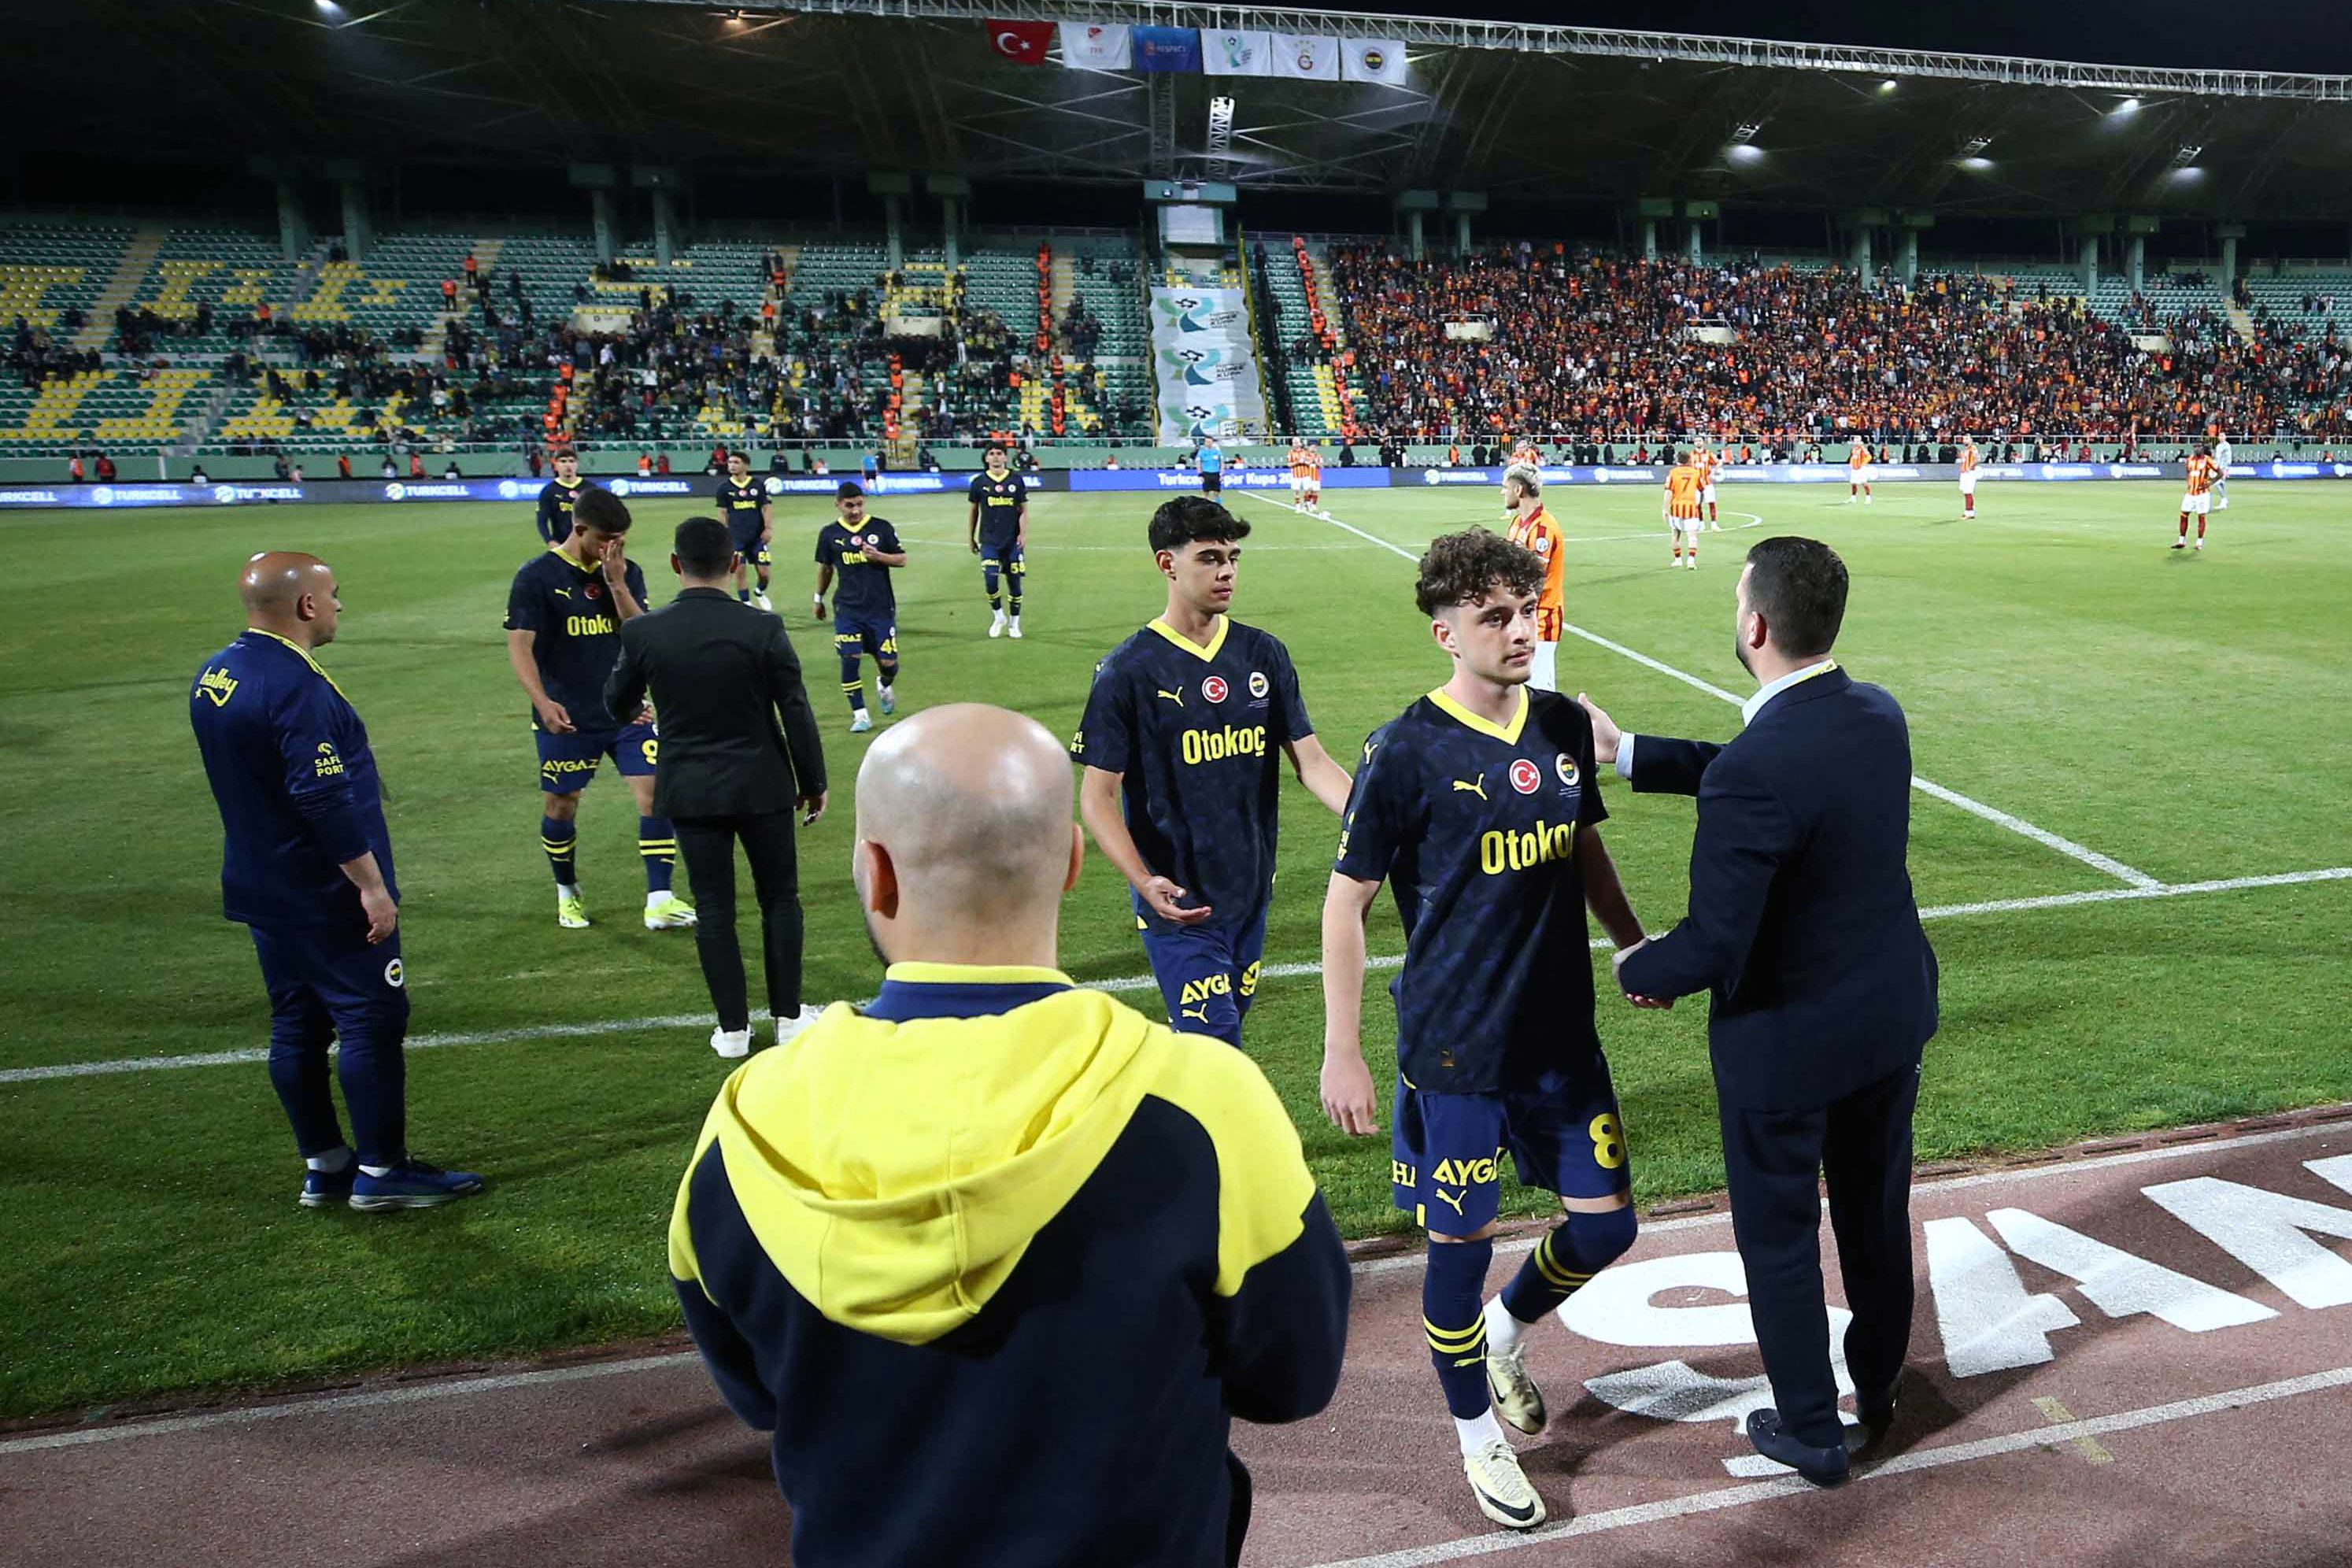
(308,868)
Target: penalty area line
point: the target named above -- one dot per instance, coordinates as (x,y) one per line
(1122,984)
(2018,825)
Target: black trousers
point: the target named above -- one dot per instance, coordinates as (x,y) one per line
(1775,1161)
(706,843)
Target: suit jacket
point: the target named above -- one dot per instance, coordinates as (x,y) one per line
(720,673)
(1802,920)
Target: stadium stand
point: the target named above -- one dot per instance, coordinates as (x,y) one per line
(205,341)
(1593,347)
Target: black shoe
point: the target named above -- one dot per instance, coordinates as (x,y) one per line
(1877,1420)
(1822,1466)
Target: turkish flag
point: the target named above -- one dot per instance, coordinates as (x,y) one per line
(1023,41)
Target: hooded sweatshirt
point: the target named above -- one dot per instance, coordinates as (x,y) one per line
(997,1259)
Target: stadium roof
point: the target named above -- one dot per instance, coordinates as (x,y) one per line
(1524,112)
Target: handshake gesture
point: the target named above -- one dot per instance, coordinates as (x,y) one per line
(1606,740)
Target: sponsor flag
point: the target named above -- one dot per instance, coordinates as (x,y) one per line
(1304,57)
(1167,50)
(1091,47)
(1236,54)
(1024,41)
(1373,60)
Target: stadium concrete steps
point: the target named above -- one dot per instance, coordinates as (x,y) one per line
(1065,285)
(2241,321)
(199,428)
(121,289)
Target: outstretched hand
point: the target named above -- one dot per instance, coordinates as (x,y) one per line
(1605,733)
(1616,970)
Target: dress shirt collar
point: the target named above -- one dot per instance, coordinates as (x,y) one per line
(1755,705)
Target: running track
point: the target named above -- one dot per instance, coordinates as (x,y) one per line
(2135,1353)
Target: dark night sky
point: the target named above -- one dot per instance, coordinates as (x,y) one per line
(2289,36)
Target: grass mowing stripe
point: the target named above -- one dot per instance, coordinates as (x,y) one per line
(2089,856)
(2154,890)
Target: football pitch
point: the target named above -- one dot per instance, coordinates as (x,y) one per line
(2131,762)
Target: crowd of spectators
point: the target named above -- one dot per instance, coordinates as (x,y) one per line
(1588,346)
(36,356)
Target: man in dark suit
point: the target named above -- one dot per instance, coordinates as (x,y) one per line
(720,673)
(1804,927)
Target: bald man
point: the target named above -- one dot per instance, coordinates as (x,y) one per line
(307,868)
(1021,1253)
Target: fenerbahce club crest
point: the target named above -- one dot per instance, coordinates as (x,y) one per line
(1565,765)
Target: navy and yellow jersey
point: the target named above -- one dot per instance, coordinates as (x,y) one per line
(1077,1243)
(1198,732)
(1474,827)
(740,506)
(1000,502)
(862,594)
(556,500)
(289,766)
(577,633)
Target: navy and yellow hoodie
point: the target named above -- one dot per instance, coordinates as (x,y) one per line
(997,1259)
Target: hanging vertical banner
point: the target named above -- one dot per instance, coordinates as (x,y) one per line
(1089,47)
(1304,57)
(1374,60)
(1205,364)
(1236,54)
(1023,41)
(1167,50)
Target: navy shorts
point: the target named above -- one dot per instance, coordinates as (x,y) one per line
(327,975)
(567,763)
(747,542)
(1007,554)
(852,636)
(1562,1131)
(1207,974)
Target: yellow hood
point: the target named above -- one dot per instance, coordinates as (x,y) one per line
(895,1173)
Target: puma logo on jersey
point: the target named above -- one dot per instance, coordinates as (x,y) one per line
(1476,786)
(1177,697)
(1450,1198)
(1199,1014)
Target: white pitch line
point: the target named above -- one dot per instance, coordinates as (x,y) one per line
(1921,1192)
(418,1392)
(1122,984)
(1911,1463)
(2087,856)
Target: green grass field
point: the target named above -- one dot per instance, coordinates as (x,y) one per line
(2184,716)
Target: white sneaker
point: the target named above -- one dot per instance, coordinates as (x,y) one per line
(732,1044)
(996,624)
(860,722)
(787,1027)
(1517,1400)
(761,600)
(1502,1488)
(889,698)
(1015,630)
(1865,500)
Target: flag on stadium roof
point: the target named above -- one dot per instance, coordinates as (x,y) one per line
(1374,60)
(1023,41)
(1304,58)
(1166,49)
(1096,45)
(1236,54)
